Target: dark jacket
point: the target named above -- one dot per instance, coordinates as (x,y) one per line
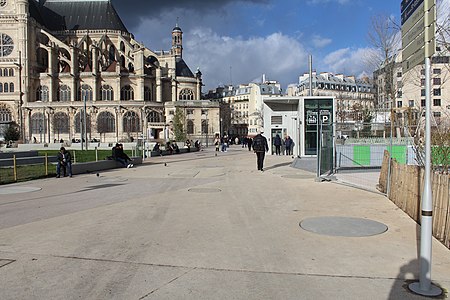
(277,140)
(64,157)
(260,144)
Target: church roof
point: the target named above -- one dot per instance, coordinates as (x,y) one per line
(80,15)
(182,68)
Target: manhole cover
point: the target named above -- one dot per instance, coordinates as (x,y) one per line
(205,190)
(18,189)
(343,226)
(298,176)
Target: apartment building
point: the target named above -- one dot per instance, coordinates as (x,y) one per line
(353,96)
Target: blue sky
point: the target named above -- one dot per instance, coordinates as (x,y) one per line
(238,41)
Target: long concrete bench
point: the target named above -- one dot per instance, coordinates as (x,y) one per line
(101,165)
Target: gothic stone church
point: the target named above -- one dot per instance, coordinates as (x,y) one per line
(57,57)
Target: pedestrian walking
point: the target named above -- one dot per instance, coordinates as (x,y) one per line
(288,144)
(217,142)
(249,144)
(260,147)
(277,143)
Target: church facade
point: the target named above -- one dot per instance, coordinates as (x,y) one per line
(72,67)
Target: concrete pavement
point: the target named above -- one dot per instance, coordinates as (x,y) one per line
(200,226)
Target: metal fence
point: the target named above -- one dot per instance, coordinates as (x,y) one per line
(26,168)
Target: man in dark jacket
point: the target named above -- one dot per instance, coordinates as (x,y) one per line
(260,147)
(64,162)
(277,144)
(120,156)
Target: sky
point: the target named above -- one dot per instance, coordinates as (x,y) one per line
(235,42)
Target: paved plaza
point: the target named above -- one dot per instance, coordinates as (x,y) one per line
(201,226)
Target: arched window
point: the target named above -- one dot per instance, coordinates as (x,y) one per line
(63,93)
(186,94)
(122,62)
(1,88)
(204,126)
(5,87)
(11,87)
(127,93)
(42,93)
(190,127)
(154,117)
(147,94)
(122,46)
(11,72)
(60,123)
(106,122)
(112,53)
(38,124)
(5,72)
(106,93)
(78,121)
(5,114)
(6,45)
(131,122)
(85,93)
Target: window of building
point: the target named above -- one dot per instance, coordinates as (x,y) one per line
(42,93)
(411,103)
(436,92)
(186,94)
(5,114)
(189,111)
(436,71)
(106,93)
(422,82)
(11,87)
(399,74)
(6,45)
(106,122)
(399,103)
(422,92)
(204,126)
(423,103)
(154,117)
(85,93)
(171,112)
(60,123)
(11,72)
(79,120)
(147,94)
(38,124)
(437,81)
(204,111)
(422,72)
(190,127)
(131,122)
(437,114)
(5,87)
(436,102)
(63,93)
(126,93)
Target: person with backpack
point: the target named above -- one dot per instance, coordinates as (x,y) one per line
(260,147)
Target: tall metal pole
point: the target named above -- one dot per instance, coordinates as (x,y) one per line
(22,126)
(310,76)
(424,286)
(84,123)
(82,129)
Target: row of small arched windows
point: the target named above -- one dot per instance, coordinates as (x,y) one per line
(85,92)
(6,87)
(106,122)
(7,72)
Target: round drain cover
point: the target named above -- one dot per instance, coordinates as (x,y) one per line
(343,226)
(18,189)
(298,176)
(205,190)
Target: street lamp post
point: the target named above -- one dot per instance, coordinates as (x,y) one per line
(19,66)
(84,123)
(207,129)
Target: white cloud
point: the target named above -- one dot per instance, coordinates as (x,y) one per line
(278,56)
(320,42)
(348,61)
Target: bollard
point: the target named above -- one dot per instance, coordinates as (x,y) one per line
(15,168)
(74,157)
(46,164)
